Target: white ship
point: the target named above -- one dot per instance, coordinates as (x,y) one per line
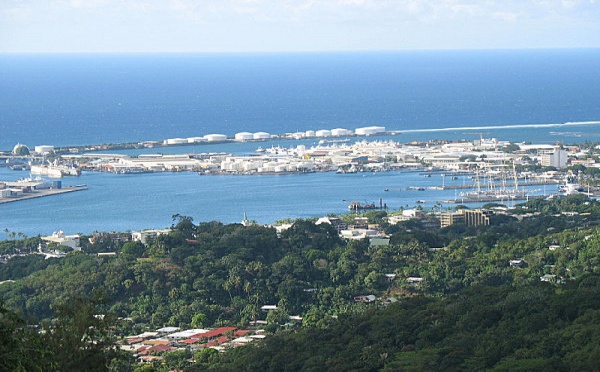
(54,171)
(571,187)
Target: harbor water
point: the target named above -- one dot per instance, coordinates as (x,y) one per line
(116,202)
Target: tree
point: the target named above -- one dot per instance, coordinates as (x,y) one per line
(177,359)
(20,346)
(198,320)
(185,225)
(134,249)
(79,335)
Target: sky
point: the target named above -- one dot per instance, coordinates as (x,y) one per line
(207,26)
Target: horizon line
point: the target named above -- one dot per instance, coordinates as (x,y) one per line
(266,52)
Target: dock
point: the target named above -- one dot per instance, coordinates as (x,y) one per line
(493,198)
(42,193)
(507,185)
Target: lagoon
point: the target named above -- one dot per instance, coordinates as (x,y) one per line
(130,202)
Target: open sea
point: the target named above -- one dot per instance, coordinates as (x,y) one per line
(526,95)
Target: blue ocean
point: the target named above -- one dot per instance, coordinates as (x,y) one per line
(526,95)
(88,99)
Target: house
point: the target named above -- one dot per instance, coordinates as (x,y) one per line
(148,358)
(358,234)
(414,280)
(407,214)
(548,278)
(516,263)
(365,299)
(361,223)
(185,334)
(145,235)
(337,223)
(166,330)
(107,254)
(390,277)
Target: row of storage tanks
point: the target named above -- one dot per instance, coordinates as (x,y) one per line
(248,136)
(322,133)
(243,136)
(340,132)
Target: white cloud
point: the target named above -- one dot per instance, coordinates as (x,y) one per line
(289,24)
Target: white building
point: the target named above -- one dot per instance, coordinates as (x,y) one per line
(555,158)
(358,234)
(406,215)
(144,235)
(60,238)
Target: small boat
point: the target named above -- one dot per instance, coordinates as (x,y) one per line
(420,201)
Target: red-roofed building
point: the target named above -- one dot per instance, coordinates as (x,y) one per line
(160,348)
(220,340)
(142,350)
(190,341)
(213,333)
(135,340)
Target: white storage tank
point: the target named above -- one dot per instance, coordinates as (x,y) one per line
(20,149)
(261,136)
(176,141)
(244,136)
(340,132)
(323,133)
(367,131)
(309,134)
(44,149)
(215,137)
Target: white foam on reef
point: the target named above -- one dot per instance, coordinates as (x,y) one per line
(509,126)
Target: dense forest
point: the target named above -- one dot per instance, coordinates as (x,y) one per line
(470,309)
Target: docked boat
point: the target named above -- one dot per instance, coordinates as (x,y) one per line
(54,171)
(570,187)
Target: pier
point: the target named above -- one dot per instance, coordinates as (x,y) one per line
(42,193)
(493,198)
(506,185)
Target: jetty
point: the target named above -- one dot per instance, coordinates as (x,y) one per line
(505,185)
(493,198)
(41,193)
